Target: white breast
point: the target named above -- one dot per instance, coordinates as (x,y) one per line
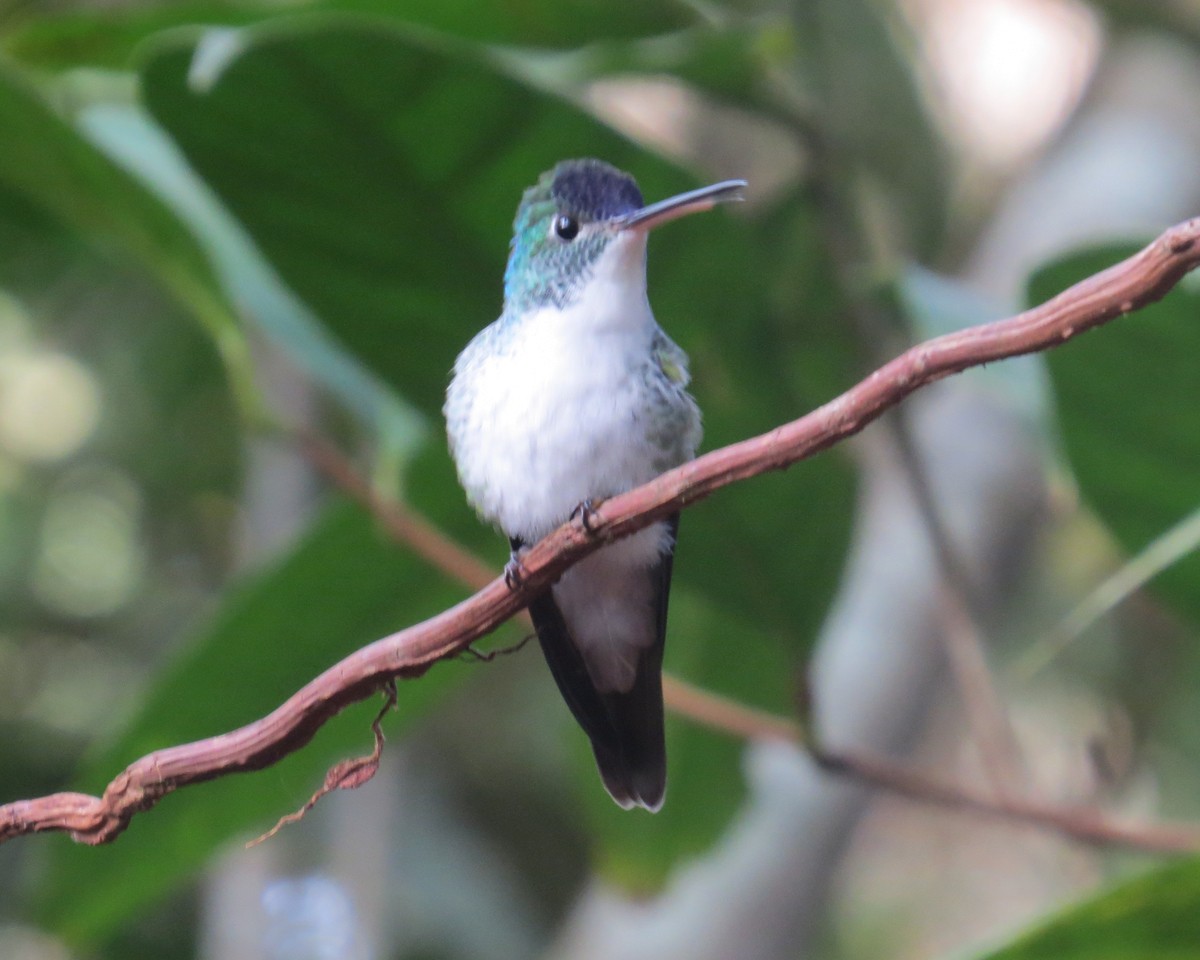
(557,410)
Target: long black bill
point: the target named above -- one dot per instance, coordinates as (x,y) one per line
(694,201)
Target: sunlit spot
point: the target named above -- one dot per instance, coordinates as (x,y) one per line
(1006,73)
(72,688)
(49,405)
(90,559)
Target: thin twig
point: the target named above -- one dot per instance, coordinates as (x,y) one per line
(401,524)
(961,608)
(991,726)
(728,716)
(1081,823)
(1162,552)
(1135,282)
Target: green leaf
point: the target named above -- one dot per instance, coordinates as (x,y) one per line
(127,135)
(47,163)
(380,183)
(1153,917)
(342,586)
(1127,397)
(376,229)
(108,39)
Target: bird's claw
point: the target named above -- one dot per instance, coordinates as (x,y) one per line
(585,511)
(514,573)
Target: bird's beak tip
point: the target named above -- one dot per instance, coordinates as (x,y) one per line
(694,201)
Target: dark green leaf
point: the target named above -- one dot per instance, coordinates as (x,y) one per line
(1179,20)
(730,64)
(1127,400)
(128,136)
(109,38)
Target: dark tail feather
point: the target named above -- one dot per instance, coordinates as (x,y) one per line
(637,773)
(626,729)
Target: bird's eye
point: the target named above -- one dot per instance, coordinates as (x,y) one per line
(566,226)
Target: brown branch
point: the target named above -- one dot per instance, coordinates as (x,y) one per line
(345,775)
(1085,824)
(1082,823)
(402,525)
(724,715)
(1142,279)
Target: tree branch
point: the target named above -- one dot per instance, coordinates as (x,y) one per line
(724,715)
(1081,823)
(1133,283)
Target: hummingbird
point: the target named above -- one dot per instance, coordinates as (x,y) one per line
(575,394)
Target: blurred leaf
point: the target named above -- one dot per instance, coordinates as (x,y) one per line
(730,63)
(854,71)
(1127,398)
(1153,917)
(133,140)
(378,229)
(394,227)
(341,587)
(44,160)
(109,38)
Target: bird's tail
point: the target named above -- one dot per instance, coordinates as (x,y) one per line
(626,729)
(633,765)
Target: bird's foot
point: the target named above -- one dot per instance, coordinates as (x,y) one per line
(514,571)
(585,511)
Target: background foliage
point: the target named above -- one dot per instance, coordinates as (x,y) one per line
(221,223)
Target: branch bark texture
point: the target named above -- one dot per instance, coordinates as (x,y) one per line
(1142,279)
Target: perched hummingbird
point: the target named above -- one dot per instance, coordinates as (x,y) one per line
(574,395)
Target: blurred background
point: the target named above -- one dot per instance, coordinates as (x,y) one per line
(228,226)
